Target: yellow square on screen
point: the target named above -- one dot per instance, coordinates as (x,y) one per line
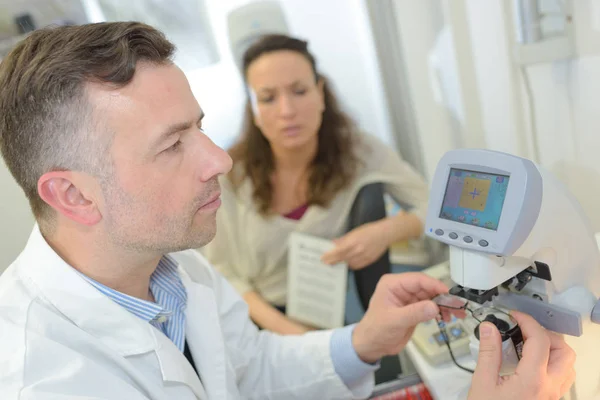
(475,193)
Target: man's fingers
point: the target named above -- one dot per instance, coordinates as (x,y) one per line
(562,357)
(544,352)
(413,314)
(489,359)
(536,350)
(413,284)
(568,382)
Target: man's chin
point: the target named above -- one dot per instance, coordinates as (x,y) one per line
(190,245)
(202,236)
(201,243)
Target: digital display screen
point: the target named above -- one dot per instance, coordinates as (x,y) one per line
(474,198)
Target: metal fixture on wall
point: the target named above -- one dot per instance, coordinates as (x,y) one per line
(397,91)
(246,23)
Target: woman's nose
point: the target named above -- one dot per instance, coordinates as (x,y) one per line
(286,106)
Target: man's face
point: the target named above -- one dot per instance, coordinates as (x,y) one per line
(162,193)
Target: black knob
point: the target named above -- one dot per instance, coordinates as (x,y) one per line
(502,325)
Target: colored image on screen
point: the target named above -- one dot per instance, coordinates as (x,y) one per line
(474,198)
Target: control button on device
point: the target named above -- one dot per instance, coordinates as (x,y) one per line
(456,332)
(468,239)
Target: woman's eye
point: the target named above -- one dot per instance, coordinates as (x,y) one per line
(300,91)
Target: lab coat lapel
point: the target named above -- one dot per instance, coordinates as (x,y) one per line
(205,338)
(176,368)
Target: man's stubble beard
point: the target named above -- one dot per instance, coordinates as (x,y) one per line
(170,235)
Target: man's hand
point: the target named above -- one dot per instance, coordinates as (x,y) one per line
(546,371)
(399,303)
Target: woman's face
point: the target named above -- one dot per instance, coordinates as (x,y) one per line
(287,102)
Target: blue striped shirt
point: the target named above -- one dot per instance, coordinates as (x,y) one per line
(168,313)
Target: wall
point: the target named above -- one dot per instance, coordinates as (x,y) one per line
(42,12)
(565,107)
(339,35)
(436,50)
(420,24)
(16,220)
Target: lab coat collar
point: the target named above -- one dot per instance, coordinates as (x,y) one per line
(175,368)
(80,302)
(75,298)
(208,345)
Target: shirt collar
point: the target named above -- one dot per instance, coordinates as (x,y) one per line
(166,287)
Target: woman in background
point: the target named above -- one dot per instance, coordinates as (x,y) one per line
(297,168)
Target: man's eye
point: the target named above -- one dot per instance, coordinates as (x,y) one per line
(175,146)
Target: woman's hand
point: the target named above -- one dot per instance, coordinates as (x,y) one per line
(270,318)
(361,246)
(291,327)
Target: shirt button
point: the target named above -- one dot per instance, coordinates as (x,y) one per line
(161,319)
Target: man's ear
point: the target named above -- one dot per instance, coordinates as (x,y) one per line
(65,192)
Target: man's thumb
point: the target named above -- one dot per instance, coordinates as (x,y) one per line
(489,360)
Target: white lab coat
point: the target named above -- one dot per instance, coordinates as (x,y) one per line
(60,338)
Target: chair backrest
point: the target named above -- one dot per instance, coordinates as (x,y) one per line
(369,206)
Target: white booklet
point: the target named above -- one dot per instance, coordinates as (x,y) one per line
(316,291)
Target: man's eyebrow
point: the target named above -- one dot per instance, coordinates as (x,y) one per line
(179,127)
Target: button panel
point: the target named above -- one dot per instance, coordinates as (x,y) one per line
(454,332)
(466,238)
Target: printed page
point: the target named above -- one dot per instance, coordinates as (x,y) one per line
(316,291)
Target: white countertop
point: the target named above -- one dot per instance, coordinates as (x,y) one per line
(445,381)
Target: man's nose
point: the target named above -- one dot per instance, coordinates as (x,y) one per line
(214,160)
